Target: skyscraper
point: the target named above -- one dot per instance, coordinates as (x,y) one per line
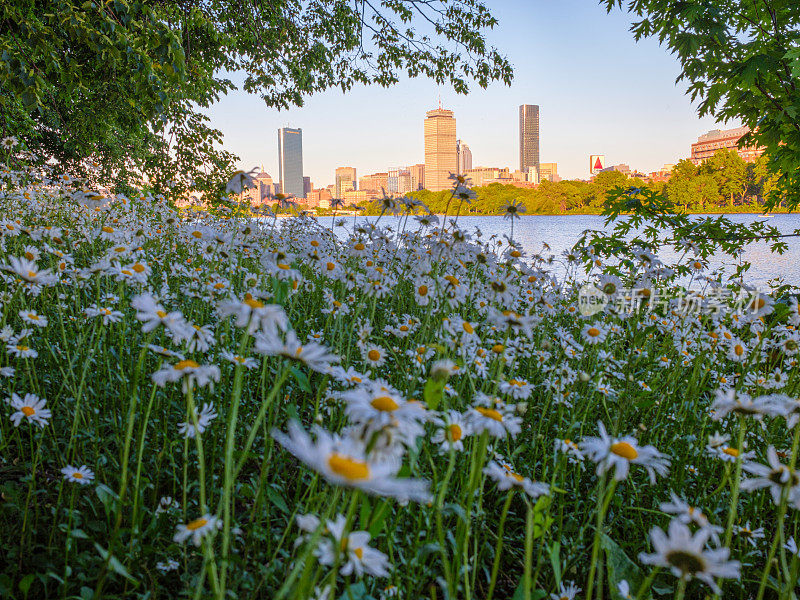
(290,161)
(528,136)
(345,180)
(464,157)
(440,149)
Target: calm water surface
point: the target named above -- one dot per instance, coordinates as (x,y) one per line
(561,232)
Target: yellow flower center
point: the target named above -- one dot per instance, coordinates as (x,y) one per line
(197,234)
(374,355)
(28,411)
(593,332)
(498,348)
(348,468)
(490,413)
(453,281)
(731,452)
(384,403)
(359,552)
(625,450)
(359,246)
(31,274)
(197,524)
(330,266)
(108,229)
(738,350)
(253,303)
(138,267)
(422,290)
(186,364)
(515,253)
(29,255)
(468,328)
(161,314)
(77,475)
(455,432)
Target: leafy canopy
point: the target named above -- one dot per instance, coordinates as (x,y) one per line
(741,60)
(126,82)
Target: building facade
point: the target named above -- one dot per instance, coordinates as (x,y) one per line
(528,136)
(479,176)
(290,161)
(261,192)
(441,158)
(728,139)
(549,172)
(346,180)
(464,157)
(417,177)
(375,185)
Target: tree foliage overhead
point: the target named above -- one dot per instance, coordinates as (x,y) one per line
(741,60)
(125,82)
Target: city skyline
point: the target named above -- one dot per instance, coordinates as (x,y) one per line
(599,90)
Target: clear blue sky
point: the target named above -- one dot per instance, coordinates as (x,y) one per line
(599,92)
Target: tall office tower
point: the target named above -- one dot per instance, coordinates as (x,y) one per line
(464,157)
(345,180)
(440,149)
(528,137)
(290,161)
(307,186)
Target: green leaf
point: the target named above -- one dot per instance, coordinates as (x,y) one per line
(433,393)
(114,564)
(620,567)
(301,379)
(25,583)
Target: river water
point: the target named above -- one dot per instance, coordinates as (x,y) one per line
(561,232)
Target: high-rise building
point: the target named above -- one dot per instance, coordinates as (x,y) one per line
(528,136)
(464,157)
(345,181)
(440,149)
(290,161)
(307,186)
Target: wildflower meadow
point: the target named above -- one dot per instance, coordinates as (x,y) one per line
(227,405)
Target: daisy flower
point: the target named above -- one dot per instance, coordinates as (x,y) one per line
(81,475)
(504,476)
(197,529)
(189,372)
(380,405)
(31,408)
(777,477)
(495,417)
(255,315)
(315,356)
(685,555)
(204,418)
(359,558)
(343,461)
(374,356)
(246,362)
(31,317)
(566,592)
(168,565)
(594,333)
(453,428)
(618,454)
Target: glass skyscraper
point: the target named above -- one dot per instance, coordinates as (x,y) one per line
(290,161)
(528,136)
